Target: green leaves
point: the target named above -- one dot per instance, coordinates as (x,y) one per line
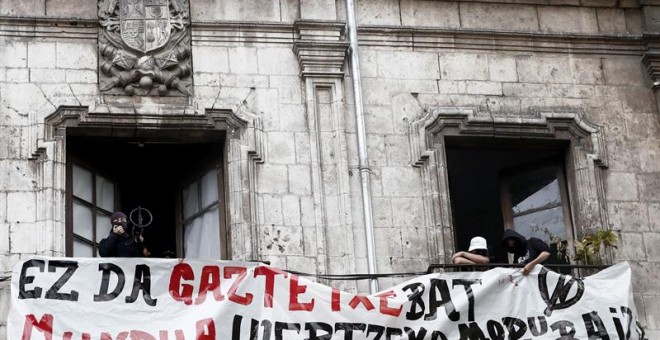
(587,249)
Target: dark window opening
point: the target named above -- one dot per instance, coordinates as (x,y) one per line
(121,174)
(498,184)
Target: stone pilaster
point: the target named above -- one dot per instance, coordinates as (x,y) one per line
(321,50)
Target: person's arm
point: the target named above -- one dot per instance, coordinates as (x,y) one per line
(472,257)
(539,259)
(542,249)
(107,245)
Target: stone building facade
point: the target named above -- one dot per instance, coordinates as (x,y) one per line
(459,98)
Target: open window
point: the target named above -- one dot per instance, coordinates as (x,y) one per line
(498,183)
(535,204)
(179,180)
(200,214)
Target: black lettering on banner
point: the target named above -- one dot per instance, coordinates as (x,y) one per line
(268,329)
(566,330)
(416,290)
(495,330)
(445,301)
(437,335)
(107,269)
(25,279)
(280,327)
(471,332)
(314,327)
(415,336)
(467,284)
(348,329)
(627,311)
(142,282)
(640,331)
(236,327)
(543,326)
(54,291)
(254,328)
(390,333)
(595,327)
(559,300)
(379,330)
(617,324)
(516,327)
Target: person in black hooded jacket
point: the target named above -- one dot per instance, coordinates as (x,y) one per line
(121,242)
(529,252)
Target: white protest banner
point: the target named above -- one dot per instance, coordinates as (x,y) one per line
(160,299)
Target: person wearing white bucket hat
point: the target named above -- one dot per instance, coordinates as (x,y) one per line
(477,253)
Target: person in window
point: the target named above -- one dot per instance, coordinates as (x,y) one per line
(121,242)
(477,253)
(529,252)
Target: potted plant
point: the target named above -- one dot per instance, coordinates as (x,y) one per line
(592,247)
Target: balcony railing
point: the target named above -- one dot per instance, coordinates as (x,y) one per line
(578,270)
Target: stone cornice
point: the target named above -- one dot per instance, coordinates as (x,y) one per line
(224,32)
(429,38)
(319,30)
(48,28)
(417,38)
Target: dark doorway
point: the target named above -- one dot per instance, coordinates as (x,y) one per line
(146,173)
(476,168)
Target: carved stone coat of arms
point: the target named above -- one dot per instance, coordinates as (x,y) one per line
(144,47)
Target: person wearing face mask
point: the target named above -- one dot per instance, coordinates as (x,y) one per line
(121,242)
(529,252)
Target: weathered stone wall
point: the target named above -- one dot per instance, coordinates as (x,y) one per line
(502,58)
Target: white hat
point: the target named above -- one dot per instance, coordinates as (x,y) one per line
(478,243)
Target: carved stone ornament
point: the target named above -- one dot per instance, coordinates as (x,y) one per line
(144,47)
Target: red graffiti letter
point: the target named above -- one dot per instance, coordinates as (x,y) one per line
(178,334)
(178,291)
(241,272)
(205,329)
(357,299)
(269,274)
(384,309)
(210,281)
(45,325)
(120,336)
(335,300)
(294,291)
(69,335)
(140,335)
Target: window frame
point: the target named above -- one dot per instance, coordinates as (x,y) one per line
(198,172)
(71,198)
(506,177)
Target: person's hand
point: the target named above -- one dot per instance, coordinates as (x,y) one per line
(117,229)
(528,268)
(141,238)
